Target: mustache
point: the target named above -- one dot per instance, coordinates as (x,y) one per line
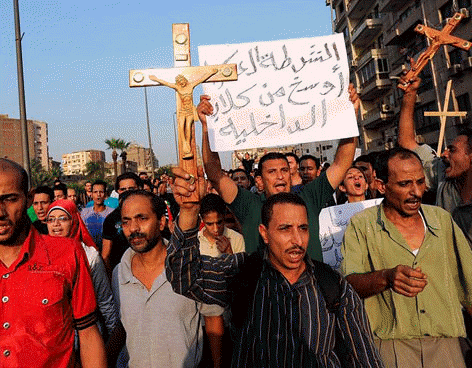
(413,198)
(295,247)
(136,235)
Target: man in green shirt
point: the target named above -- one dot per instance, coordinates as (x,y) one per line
(412,265)
(275,170)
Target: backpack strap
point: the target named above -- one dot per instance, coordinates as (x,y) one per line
(329,282)
(243,287)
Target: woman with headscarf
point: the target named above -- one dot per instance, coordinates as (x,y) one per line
(63,220)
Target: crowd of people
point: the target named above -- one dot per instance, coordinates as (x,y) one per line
(140,277)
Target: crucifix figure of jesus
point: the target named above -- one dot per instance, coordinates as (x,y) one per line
(187,112)
(437,39)
(186,79)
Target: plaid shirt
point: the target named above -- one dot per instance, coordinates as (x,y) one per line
(287,325)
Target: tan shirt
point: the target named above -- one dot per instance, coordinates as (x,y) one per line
(371,243)
(208,248)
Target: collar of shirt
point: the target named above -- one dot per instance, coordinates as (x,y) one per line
(432,223)
(26,252)
(269,270)
(125,273)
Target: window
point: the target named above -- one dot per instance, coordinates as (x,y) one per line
(447,10)
(457,55)
(464,102)
(380,41)
(346,34)
(427,79)
(382,66)
(426,124)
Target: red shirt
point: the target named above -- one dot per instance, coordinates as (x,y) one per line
(44,295)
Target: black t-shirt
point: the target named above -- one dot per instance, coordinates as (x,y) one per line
(247,165)
(112,230)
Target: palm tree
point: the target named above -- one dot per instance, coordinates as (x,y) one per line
(115,144)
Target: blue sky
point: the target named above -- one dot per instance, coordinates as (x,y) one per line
(77,56)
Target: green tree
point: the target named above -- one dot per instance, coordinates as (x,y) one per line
(40,176)
(165,170)
(117,144)
(94,170)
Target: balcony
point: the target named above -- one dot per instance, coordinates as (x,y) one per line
(376,87)
(366,31)
(380,145)
(392,6)
(372,54)
(403,29)
(356,9)
(376,118)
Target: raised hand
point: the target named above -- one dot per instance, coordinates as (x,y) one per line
(354,98)
(409,86)
(204,109)
(223,244)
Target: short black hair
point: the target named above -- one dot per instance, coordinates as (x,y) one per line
(128,175)
(241,171)
(257,172)
(8,165)
(148,183)
(271,156)
(158,205)
(212,203)
(100,182)
(381,165)
(43,189)
(62,187)
(313,158)
(268,206)
(291,154)
(366,158)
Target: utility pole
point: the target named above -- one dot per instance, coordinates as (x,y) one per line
(21,91)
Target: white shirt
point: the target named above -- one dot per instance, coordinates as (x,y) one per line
(208,248)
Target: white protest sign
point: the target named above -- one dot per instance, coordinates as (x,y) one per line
(333,224)
(287,92)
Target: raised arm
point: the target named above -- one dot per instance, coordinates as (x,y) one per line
(238,156)
(406,124)
(225,186)
(346,148)
(163,82)
(197,277)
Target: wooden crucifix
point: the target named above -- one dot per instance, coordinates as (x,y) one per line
(443,114)
(437,39)
(186,79)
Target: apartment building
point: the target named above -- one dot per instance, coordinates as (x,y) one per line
(142,157)
(11,145)
(380,39)
(75,163)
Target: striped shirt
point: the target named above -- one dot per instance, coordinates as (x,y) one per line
(286,325)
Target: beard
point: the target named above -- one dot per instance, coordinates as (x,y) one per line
(22,229)
(148,244)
